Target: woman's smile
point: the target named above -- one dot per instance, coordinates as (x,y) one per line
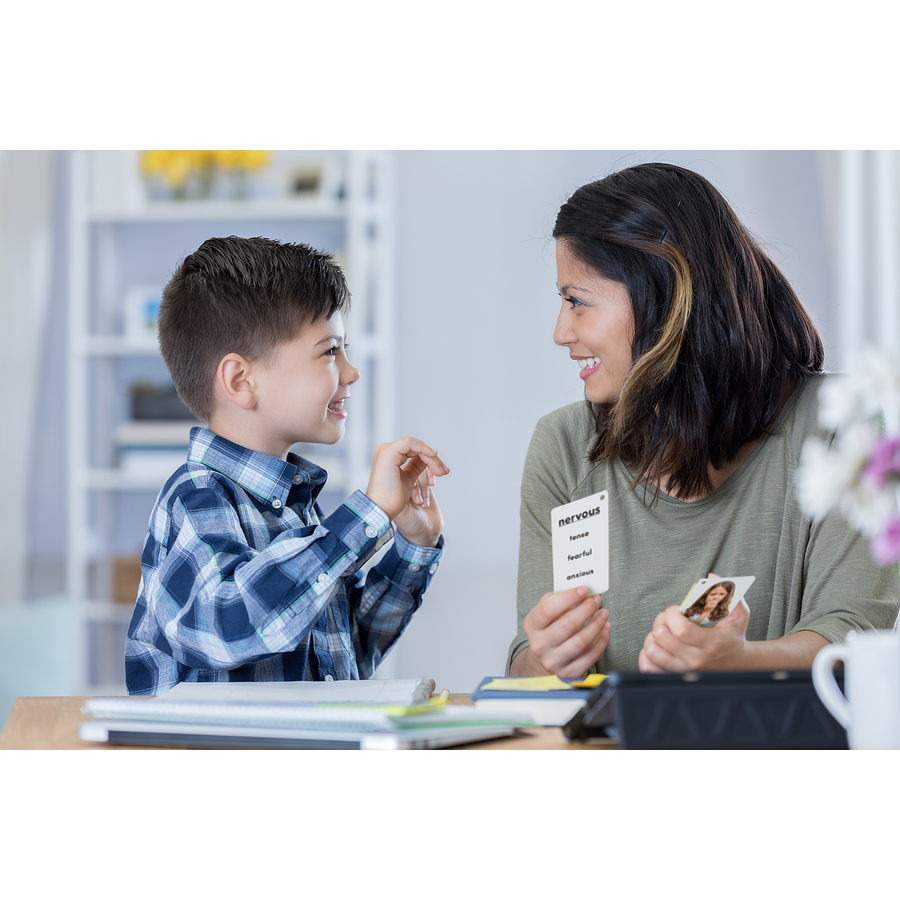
(588,366)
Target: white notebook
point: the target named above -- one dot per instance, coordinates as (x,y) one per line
(318,715)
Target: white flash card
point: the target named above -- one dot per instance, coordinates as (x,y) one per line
(580,532)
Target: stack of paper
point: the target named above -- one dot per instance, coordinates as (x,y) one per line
(393,714)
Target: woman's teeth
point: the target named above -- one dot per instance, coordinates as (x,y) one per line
(589,363)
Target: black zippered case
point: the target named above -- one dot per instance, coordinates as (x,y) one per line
(777,710)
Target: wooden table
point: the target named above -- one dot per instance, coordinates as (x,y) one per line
(51,723)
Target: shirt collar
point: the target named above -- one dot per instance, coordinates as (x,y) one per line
(266,477)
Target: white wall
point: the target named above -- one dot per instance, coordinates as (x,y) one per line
(477,364)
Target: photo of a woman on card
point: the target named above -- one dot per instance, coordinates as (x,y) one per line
(712,605)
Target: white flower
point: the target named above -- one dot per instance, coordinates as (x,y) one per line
(856,408)
(877,372)
(873,388)
(828,474)
(840,402)
(822,478)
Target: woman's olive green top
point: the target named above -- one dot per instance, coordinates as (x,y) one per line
(810,576)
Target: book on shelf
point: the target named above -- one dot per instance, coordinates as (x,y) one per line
(153,448)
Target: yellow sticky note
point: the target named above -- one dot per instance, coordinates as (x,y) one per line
(590,681)
(541,683)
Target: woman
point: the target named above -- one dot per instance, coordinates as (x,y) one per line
(712,605)
(701,370)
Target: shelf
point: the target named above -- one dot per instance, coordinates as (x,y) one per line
(212,210)
(115,345)
(114,479)
(106,611)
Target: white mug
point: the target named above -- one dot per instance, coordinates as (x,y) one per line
(871,710)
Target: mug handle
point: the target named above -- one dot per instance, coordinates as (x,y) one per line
(826,686)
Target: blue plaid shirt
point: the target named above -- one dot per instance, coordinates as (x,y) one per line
(243,579)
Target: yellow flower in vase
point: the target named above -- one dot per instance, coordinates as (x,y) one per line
(192,173)
(183,172)
(238,164)
(169,167)
(203,166)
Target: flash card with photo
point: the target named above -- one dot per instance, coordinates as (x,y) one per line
(711,599)
(580,540)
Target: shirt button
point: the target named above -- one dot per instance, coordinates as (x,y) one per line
(323,576)
(414,567)
(329,677)
(298,478)
(433,568)
(276,504)
(371,531)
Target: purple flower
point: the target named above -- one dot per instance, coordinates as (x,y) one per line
(885,460)
(885,544)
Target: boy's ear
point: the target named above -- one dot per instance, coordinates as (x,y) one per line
(234,376)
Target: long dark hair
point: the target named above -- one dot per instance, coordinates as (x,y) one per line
(718,331)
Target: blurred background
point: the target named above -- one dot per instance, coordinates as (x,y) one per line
(452,271)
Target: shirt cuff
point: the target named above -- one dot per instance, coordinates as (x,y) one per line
(409,565)
(361,525)
(415,553)
(364,527)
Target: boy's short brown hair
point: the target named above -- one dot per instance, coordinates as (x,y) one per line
(241,295)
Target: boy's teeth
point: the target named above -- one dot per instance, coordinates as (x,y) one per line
(589,363)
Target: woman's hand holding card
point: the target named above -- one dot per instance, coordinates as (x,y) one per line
(567,633)
(677,644)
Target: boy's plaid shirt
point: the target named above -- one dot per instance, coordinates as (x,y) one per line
(244,580)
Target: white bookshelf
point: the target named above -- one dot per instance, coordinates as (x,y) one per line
(118,239)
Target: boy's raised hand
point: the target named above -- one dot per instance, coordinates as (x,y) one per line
(401,481)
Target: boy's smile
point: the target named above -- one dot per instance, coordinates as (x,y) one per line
(302,388)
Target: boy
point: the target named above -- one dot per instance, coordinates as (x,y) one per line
(242,577)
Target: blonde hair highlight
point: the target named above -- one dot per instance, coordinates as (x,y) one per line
(653,366)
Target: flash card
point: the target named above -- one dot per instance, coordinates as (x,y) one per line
(580,532)
(711,599)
